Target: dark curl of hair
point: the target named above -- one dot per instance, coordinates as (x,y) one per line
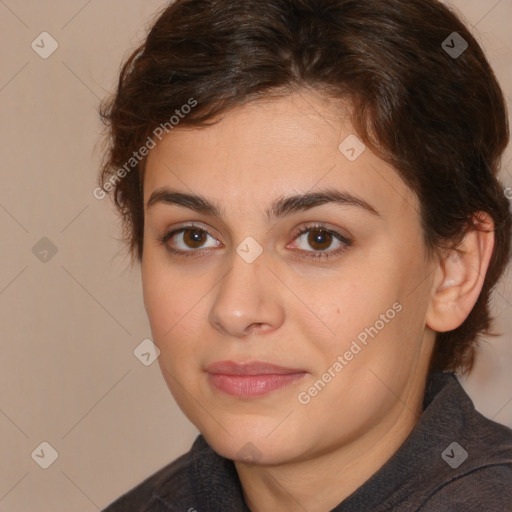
(441,122)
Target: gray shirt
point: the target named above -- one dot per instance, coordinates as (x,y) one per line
(454,460)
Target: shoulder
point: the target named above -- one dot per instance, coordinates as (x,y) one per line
(476,471)
(176,478)
(486,488)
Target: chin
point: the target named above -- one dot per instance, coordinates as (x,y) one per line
(251,443)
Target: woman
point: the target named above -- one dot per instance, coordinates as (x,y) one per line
(310,188)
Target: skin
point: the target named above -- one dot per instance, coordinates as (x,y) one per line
(293,310)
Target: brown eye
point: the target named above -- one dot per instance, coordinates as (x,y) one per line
(187,240)
(194,238)
(320,239)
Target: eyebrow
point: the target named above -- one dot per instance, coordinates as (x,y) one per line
(279,208)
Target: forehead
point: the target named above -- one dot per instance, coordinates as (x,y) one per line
(270,148)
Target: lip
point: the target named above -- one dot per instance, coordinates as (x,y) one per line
(251,379)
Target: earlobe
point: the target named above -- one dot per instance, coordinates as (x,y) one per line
(460,275)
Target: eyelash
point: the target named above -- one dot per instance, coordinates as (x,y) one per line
(314,254)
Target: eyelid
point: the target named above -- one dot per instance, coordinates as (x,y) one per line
(322,227)
(180,229)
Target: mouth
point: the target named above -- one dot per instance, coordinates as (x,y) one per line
(252,379)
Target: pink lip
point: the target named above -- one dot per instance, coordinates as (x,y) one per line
(250,379)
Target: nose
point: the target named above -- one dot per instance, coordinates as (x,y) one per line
(248,299)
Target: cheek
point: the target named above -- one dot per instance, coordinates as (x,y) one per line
(164,298)
(359,299)
(175,311)
(372,314)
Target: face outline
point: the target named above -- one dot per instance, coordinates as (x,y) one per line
(283,308)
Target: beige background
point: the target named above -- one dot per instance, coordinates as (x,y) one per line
(68,375)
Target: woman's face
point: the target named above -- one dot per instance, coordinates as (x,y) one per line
(341,312)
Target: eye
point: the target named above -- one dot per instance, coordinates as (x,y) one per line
(187,238)
(320,239)
(187,241)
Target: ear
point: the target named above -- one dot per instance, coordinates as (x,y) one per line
(459,276)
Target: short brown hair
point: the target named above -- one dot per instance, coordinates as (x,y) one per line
(440,119)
